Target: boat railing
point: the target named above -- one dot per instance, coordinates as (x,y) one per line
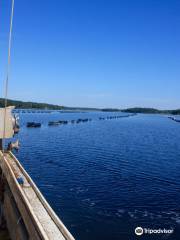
(51,212)
(23,202)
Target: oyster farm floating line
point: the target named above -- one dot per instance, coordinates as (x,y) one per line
(77,121)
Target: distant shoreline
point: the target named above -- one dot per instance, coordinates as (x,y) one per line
(45,106)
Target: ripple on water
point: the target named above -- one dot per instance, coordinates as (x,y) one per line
(88,171)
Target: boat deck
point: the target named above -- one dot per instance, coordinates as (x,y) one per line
(47,224)
(4,235)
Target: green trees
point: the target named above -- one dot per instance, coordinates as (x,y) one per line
(30,105)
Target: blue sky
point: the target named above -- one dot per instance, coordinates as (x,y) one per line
(94,53)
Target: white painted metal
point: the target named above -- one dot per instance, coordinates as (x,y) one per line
(9,132)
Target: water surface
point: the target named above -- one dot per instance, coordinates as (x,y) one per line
(104,178)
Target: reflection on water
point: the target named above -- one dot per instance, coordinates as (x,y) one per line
(104,178)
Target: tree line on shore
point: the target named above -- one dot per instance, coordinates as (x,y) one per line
(34,105)
(151,110)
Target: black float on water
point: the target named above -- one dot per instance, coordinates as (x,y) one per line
(83,120)
(174,119)
(63,122)
(56,123)
(53,123)
(33,125)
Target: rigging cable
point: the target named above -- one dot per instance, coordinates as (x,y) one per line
(7,74)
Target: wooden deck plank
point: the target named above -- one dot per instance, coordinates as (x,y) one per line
(46,221)
(51,225)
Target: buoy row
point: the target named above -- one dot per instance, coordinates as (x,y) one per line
(31,111)
(44,111)
(116,117)
(55,123)
(174,119)
(80,120)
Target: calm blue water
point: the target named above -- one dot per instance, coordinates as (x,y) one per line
(104,178)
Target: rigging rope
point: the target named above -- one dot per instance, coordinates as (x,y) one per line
(8,70)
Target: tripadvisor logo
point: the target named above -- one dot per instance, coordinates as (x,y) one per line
(139,231)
